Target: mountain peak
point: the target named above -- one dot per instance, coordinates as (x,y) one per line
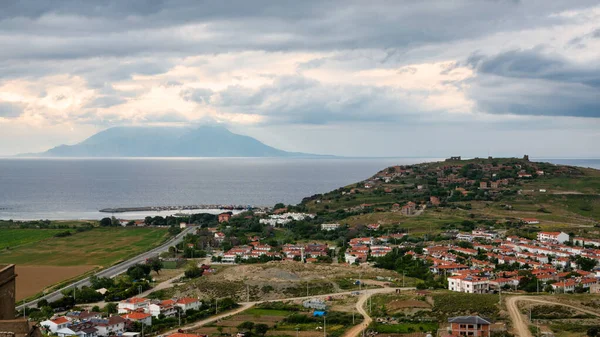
(138,141)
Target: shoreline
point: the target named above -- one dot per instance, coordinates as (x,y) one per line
(97,215)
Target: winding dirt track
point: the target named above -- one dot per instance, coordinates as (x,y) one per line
(520,324)
(354,331)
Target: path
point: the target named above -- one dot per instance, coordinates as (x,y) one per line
(113,270)
(520,325)
(365,294)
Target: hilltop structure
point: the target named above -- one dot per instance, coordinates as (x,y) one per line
(9,325)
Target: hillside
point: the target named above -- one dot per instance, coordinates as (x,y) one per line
(204,141)
(497,192)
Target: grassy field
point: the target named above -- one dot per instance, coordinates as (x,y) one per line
(99,247)
(405,327)
(13,238)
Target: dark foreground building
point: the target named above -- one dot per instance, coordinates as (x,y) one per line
(9,325)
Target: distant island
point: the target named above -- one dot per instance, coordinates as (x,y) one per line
(203,141)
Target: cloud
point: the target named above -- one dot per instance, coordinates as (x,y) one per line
(315,64)
(9,110)
(529,82)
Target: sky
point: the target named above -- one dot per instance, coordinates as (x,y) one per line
(351,78)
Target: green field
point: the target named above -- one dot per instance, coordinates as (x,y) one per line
(13,238)
(405,327)
(267,312)
(99,247)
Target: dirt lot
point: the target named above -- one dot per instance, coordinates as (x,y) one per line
(275,280)
(33,279)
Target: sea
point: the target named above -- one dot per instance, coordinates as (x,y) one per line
(73,189)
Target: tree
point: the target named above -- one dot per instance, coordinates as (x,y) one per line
(593,331)
(110,308)
(585,263)
(156,264)
(246,326)
(96,308)
(261,329)
(105,222)
(42,303)
(193,271)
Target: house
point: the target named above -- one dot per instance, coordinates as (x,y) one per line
(469,284)
(66,332)
(483,185)
(373,227)
(469,326)
(409,208)
(113,326)
(188,303)
(494,184)
(82,330)
(559,237)
(330,226)
(166,308)
(564,286)
(224,217)
(132,304)
(139,317)
(56,324)
(435,201)
(219,236)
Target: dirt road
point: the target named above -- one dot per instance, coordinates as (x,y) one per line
(365,294)
(357,329)
(519,322)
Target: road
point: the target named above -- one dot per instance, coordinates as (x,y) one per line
(113,270)
(520,324)
(365,294)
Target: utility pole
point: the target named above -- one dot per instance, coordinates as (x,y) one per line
(324,327)
(359,281)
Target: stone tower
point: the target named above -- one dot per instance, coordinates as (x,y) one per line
(7,292)
(9,325)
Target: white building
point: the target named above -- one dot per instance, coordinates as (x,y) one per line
(559,237)
(330,226)
(188,303)
(166,308)
(56,324)
(469,284)
(113,326)
(133,304)
(139,317)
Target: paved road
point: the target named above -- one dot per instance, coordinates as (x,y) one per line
(113,270)
(365,294)
(519,322)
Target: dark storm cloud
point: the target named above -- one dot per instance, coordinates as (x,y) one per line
(9,110)
(67,29)
(528,82)
(535,65)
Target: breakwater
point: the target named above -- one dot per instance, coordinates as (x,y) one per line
(183,208)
